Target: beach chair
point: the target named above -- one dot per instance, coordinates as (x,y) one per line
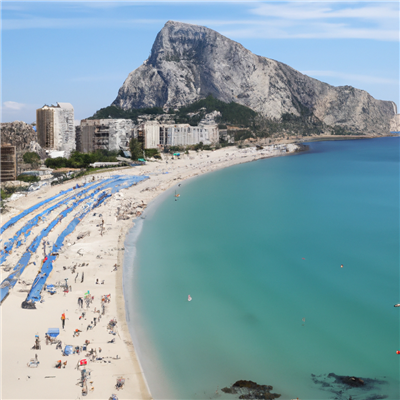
(51,289)
(68,350)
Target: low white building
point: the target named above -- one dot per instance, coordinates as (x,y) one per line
(186,135)
(154,135)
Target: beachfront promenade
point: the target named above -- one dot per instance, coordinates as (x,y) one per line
(72,236)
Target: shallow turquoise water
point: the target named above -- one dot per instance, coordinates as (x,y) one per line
(235,241)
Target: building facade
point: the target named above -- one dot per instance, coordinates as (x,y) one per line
(55,127)
(148,133)
(104,134)
(154,135)
(8,164)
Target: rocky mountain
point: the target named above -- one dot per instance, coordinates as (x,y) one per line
(19,134)
(189,62)
(395,124)
(23,137)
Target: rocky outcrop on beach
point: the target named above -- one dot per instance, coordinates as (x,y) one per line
(188,62)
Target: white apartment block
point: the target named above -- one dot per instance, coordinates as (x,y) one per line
(150,134)
(155,135)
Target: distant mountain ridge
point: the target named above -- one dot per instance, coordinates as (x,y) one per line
(189,62)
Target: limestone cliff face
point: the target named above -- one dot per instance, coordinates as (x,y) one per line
(395,124)
(19,134)
(188,62)
(24,138)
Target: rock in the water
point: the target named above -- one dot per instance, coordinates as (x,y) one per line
(189,62)
(348,380)
(251,390)
(358,386)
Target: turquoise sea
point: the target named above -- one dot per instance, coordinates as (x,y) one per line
(259,247)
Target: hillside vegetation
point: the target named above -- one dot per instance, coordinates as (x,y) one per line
(252,124)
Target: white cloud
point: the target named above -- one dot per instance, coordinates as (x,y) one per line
(304,20)
(59,23)
(309,11)
(351,77)
(318,31)
(13,105)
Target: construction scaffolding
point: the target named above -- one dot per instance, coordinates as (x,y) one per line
(104,134)
(101,137)
(45,127)
(8,163)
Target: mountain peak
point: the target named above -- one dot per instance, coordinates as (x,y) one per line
(189,62)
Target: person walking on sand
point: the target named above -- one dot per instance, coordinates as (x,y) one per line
(63,320)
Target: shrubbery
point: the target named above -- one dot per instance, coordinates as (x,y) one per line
(28,178)
(151,152)
(115,112)
(31,157)
(81,160)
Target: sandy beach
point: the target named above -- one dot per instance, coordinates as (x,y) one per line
(91,260)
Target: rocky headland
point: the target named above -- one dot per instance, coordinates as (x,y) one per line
(188,62)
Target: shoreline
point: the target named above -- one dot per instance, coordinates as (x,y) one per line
(92,257)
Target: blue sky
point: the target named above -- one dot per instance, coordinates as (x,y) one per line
(81,52)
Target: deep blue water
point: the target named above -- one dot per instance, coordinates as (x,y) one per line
(259,247)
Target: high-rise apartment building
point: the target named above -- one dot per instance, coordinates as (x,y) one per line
(55,127)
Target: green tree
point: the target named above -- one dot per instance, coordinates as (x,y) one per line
(151,153)
(31,157)
(136,149)
(59,162)
(28,178)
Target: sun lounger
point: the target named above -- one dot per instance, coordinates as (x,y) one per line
(68,350)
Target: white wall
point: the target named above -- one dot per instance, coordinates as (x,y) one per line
(152,134)
(64,130)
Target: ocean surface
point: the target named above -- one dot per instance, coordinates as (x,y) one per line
(293,267)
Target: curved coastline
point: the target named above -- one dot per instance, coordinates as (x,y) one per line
(138,335)
(98,253)
(25,324)
(153,205)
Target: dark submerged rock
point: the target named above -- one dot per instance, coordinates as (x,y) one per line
(343,386)
(251,390)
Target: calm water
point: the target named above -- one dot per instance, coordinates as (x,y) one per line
(259,247)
